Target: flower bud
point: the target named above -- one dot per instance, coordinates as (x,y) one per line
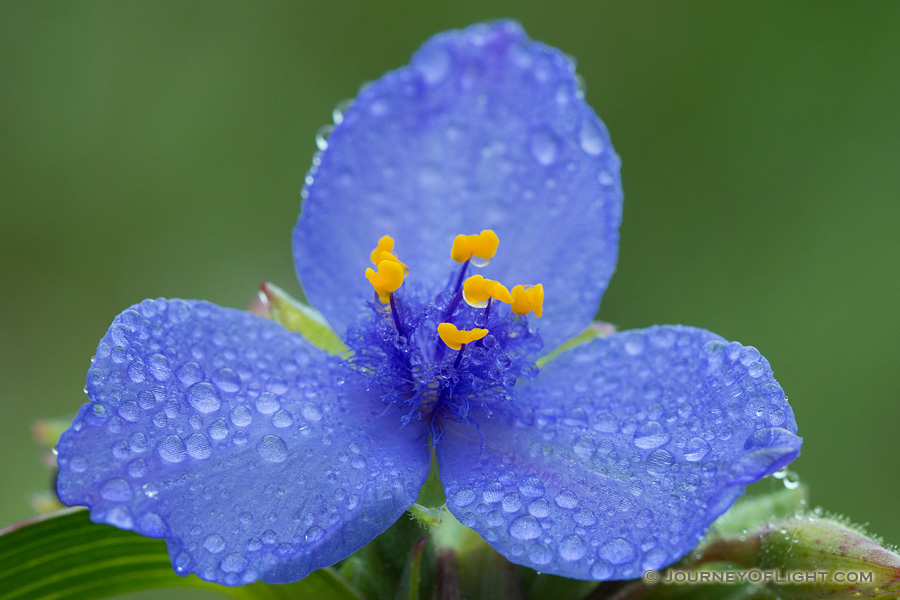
(824,558)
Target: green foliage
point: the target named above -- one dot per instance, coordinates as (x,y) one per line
(64,556)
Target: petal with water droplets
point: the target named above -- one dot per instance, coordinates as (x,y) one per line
(484,129)
(618,456)
(255,454)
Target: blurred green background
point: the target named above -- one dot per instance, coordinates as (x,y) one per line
(158,149)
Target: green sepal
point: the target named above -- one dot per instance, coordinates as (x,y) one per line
(302,318)
(749,512)
(65,555)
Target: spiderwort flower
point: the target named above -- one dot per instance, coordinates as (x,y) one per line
(259,456)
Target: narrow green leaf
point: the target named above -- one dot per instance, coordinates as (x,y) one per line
(302,318)
(64,556)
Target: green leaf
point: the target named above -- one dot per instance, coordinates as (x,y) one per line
(302,318)
(64,556)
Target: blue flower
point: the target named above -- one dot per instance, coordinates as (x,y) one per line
(259,456)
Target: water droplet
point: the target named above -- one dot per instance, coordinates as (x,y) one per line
(606,423)
(282,419)
(198,446)
(540,508)
(267,403)
(572,547)
(218,430)
(215,543)
(540,554)
(314,534)
(79,464)
(617,551)
(601,570)
(512,502)
(241,416)
(189,373)
(525,527)
(204,397)
(464,497)
(584,517)
(492,493)
(272,448)
(432,63)
(233,563)
(137,468)
(322,136)
(227,380)
(650,435)
(655,559)
(643,518)
(158,365)
(659,461)
(311,412)
(584,446)
(696,449)
(590,136)
(172,449)
(116,490)
(182,562)
(566,499)
(791,480)
(544,145)
(532,487)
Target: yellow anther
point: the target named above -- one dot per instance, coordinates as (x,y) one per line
(480,247)
(527,299)
(477,290)
(385,251)
(387,279)
(455,338)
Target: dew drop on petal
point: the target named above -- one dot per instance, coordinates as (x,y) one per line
(233,563)
(601,570)
(172,449)
(272,448)
(540,554)
(566,499)
(590,137)
(218,430)
(267,403)
(227,380)
(544,145)
(214,543)
(617,551)
(525,527)
(116,490)
(695,449)
(464,497)
(198,446)
(204,397)
(572,547)
(311,412)
(241,416)
(650,435)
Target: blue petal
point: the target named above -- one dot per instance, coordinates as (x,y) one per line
(620,453)
(485,129)
(254,454)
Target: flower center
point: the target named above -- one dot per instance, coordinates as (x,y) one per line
(445,355)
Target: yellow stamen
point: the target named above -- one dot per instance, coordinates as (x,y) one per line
(385,251)
(455,338)
(527,299)
(387,279)
(480,247)
(477,290)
